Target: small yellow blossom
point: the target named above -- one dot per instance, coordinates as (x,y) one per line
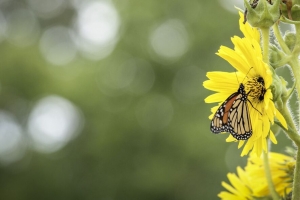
(280,167)
(251,183)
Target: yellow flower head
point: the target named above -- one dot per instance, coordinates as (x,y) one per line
(281,168)
(251,183)
(255,75)
(239,188)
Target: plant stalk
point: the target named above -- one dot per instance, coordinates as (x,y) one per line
(271,186)
(295,65)
(265,33)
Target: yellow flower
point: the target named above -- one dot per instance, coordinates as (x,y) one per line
(251,183)
(240,186)
(281,167)
(255,75)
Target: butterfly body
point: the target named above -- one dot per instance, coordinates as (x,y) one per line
(263,89)
(233,116)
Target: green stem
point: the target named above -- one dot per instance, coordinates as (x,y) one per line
(265,43)
(293,134)
(296,184)
(294,62)
(271,186)
(292,131)
(280,40)
(295,65)
(265,33)
(285,60)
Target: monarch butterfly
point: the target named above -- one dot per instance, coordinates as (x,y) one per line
(233,116)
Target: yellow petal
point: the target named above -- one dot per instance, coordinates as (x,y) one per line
(258,147)
(281,119)
(266,127)
(264,145)
(247,30)
(247,148)
(229,187)
(217,97)
(241,143)
(272,137)
(229,196)
(230,138)
(234,58)
(241,188)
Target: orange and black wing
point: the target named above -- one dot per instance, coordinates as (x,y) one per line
(233,116)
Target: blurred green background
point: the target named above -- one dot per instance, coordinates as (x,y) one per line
(104,100)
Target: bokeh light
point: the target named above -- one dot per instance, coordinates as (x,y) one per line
(97,27)
(12,142)
(22,27)
(57,45)
(170,40)
(53,122)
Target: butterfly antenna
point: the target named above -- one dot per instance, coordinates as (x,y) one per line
(237,78)
(247,74)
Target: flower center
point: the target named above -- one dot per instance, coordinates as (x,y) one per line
(256,88)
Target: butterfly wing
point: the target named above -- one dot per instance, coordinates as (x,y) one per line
(239,122)
(233,116)
(219,122)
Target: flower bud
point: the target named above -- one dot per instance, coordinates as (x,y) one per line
(275,56)
(276,86)
(262,14)
(290,40)
(291,9)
